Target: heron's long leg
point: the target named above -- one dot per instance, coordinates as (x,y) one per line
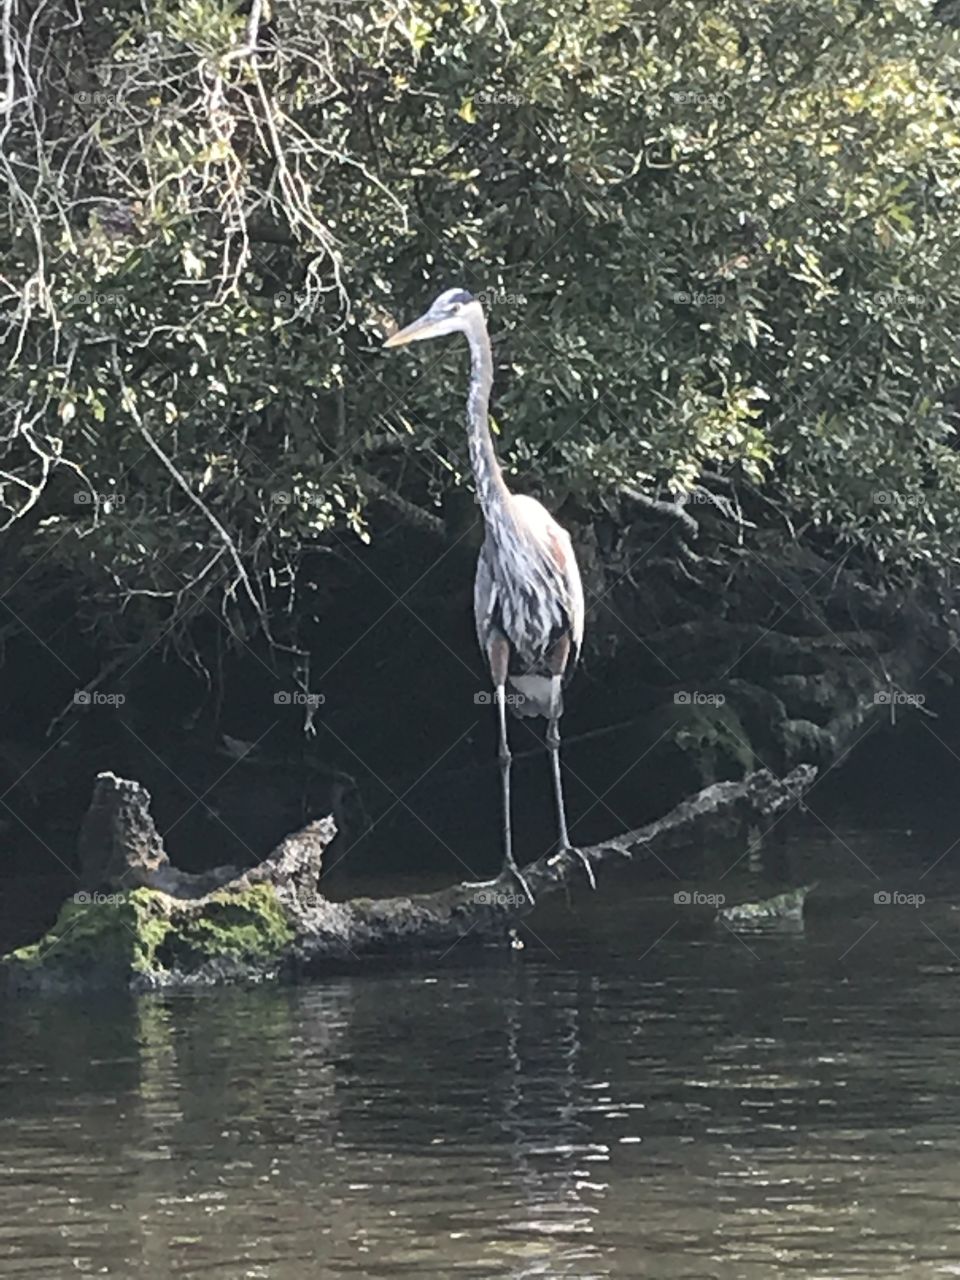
(505,758)
(505,761)
(553,743)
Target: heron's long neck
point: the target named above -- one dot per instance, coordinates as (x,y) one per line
(483,458)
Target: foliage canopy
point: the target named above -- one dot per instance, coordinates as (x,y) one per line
(716,239)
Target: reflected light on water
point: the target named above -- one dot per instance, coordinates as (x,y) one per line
(588,1107)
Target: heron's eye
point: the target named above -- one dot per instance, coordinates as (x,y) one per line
(457,306)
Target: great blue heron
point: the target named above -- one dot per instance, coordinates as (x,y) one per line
(528,597)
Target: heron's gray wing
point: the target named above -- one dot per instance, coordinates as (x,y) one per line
(485,600)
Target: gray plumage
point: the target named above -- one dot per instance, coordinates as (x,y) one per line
(528,597)
(528,588)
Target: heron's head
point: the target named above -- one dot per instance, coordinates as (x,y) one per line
(453,312)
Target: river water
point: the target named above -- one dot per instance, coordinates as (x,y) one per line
(623,1097)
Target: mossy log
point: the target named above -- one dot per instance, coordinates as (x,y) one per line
(141,922)
(782,908)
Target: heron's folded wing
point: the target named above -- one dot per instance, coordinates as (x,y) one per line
(484,600)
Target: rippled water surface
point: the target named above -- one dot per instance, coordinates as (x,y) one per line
(622,1097)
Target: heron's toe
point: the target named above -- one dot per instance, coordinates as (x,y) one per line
(587,864)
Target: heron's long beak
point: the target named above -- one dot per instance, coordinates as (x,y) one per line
(422,328)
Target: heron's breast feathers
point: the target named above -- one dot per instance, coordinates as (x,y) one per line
(528,587)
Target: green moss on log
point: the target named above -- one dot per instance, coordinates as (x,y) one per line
(107,935)
(247,926)
(141,935)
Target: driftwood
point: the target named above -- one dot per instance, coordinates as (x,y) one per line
(158,925)
(429,919)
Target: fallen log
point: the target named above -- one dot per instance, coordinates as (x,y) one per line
(141,922)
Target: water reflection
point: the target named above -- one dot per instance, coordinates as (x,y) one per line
(782,1105)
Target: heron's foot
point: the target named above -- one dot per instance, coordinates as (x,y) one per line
(511,870)
(482,884)
(587,864)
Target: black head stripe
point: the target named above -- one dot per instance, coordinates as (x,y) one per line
(461,296)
